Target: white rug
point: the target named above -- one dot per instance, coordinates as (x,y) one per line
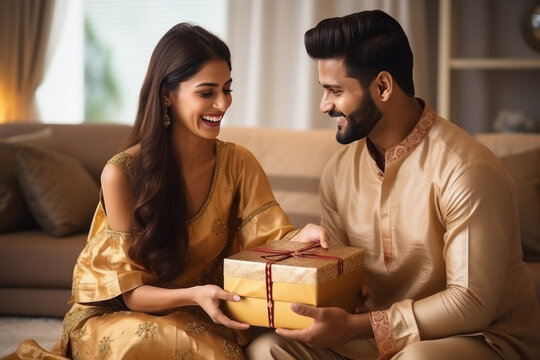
(13,330)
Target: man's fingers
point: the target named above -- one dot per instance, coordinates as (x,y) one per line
(361,310)
(365,292)
(298,335)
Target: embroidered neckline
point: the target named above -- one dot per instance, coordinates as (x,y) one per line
(125,162)
(415,137)
(219,144)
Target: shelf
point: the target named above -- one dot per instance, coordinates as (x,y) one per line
(449,63)
(495,63)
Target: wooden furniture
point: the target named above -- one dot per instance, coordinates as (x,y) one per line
(450,61)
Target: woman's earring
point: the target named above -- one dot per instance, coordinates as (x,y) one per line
(166,117)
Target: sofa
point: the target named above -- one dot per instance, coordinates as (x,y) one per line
(49,189)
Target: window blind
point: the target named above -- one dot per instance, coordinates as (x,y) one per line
(130,30)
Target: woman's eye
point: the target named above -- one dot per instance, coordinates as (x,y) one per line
(206,94)
(227,91)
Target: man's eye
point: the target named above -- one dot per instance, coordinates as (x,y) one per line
(335,92)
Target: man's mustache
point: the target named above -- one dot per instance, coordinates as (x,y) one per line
(335,113)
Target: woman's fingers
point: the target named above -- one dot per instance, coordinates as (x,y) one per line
(221,318)
(228,296)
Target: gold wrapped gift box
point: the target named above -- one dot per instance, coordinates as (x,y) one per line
(312,281)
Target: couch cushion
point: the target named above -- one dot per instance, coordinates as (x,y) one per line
(92,144)
(34,259)
(59,191)
(22,301)
(520,155)
(14,213)
(504,144)
(525,170)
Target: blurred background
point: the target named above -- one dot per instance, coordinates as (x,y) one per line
(71,61)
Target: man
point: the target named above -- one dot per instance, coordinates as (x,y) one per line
(433,209)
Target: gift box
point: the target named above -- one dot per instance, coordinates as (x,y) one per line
(271,277)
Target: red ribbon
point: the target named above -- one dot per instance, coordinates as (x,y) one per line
(279,255)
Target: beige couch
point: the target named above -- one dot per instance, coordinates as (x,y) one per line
(36,267)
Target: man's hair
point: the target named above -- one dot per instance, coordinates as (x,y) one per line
(369,42)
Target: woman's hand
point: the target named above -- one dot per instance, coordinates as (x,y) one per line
(209,298)
(312,233)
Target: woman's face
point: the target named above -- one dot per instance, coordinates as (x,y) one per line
(199,103)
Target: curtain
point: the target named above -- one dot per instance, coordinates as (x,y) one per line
(25,27)
(275,82)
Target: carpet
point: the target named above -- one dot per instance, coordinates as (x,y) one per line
(13,330)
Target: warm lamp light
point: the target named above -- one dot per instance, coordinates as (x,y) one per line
(3,106)
(6,111)
(3,110)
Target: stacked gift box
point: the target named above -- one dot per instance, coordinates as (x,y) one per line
(271,277)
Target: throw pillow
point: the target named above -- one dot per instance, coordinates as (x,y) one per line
(14,213)
(59,191)
(525,170)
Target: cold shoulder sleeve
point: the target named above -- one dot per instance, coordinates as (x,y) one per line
(104,268)
(125,162)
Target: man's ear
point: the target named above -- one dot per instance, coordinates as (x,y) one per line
(384,85)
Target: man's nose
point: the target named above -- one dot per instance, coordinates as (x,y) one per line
(325,105)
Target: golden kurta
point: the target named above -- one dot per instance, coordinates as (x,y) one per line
(240,212)
(439,230)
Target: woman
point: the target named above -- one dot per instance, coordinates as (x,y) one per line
(174,203)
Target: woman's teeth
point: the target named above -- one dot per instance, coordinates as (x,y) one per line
(212,118)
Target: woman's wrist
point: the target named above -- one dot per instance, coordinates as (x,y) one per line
(193,295)
(180,297)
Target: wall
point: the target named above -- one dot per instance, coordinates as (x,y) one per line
(492,28)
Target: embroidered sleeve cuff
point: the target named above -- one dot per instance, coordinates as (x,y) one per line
(383,334)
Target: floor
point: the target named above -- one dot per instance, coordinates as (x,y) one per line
(13,330)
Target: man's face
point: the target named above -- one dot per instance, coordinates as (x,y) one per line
(344,99)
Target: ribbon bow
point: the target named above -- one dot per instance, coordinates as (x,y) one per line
(280,255)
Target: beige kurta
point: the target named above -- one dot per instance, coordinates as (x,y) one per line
(440,232)
(240,212)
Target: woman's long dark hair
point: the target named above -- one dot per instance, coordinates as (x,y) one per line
(160,205)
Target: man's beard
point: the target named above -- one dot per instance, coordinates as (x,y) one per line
(360,122)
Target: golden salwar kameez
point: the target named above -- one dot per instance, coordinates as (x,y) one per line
(240,212)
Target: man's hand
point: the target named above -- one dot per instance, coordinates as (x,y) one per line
(312,233)
(333,326)
(364,296)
